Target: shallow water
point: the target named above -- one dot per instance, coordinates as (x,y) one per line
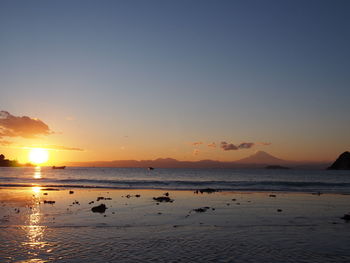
(185,179)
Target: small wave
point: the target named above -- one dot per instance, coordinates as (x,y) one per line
(287,186)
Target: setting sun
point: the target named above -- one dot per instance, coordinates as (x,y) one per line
(38,155)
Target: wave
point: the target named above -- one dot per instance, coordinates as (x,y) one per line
(291,186)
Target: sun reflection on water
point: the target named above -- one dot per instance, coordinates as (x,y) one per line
(37,172)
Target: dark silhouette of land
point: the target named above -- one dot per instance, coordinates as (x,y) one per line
(258,160)
(342,162)
(11,163)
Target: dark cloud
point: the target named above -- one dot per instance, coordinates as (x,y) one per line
(246,145)
(24,126)
(228,146)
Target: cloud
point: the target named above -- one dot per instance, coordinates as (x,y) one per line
(195,152)
(197,143)
(228,146)
(213,145)
(246,145)
(264,143)
(24,126)
(58,148)
(5,143)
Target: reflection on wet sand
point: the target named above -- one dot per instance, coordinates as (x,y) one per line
(35,243)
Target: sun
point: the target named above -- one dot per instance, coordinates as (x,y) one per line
(38,155)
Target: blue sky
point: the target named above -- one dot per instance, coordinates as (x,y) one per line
(165,73)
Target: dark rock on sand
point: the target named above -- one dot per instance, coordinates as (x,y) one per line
(342,163)
(103,198)
(207,190)
(49,202)
(71,192)
(99,209)
(346,217)
(272,195)
(163,199)
(279,210)
(201,209)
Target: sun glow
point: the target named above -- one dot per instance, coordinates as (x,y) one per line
(38,155)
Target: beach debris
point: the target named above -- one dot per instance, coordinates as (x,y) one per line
(137,196)
(71,192)
(103,198)
(201,209)
(99,209)
(279,210)
(91,202)
(165,199)
(166,194)
(76,203)
(45,193)
(272,195)
(49,202)
(346,217)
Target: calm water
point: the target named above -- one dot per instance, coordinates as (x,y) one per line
(184,179)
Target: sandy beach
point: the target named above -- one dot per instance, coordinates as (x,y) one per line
(216,227)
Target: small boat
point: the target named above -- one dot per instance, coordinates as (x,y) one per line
(58,167)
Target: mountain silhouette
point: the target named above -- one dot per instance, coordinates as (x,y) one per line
(261,157)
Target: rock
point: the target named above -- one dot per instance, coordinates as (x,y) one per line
(45,193)
(346,217)
(99,209)
(137,196)
(163,199)
(166,194)
(103,198)
(49,202)
(207,190)
(272,195)
(279,210)
(342,163)
(201,209)
(71,192)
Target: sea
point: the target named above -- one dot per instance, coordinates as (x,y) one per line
(325,181)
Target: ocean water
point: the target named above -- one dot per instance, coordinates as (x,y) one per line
(180,179)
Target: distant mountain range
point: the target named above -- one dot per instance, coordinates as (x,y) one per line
(260,159)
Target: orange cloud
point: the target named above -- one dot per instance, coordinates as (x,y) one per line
(24,126)
(213,145)
(58,148)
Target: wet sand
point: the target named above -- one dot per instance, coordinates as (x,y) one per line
(216,227)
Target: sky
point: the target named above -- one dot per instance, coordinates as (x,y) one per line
(191,80)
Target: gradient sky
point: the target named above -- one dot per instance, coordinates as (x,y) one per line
(146,79)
